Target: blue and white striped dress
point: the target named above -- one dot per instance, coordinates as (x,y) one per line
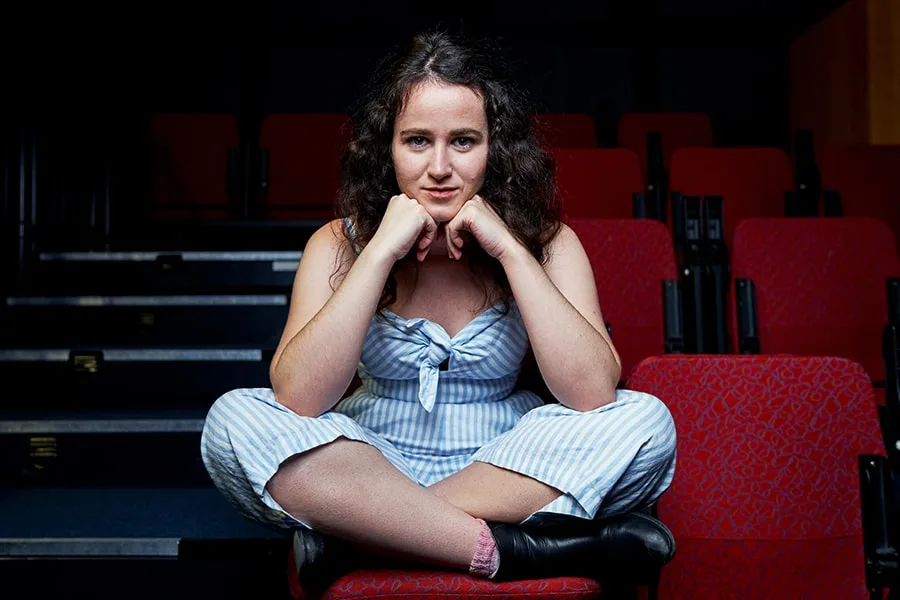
(431,419)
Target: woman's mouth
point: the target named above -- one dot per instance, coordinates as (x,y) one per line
(440,193)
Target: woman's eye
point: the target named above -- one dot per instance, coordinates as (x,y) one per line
(416,141)
(464,142)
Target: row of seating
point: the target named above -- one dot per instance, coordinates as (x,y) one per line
(298,179)
(791,285)
(197,166)
(674,129)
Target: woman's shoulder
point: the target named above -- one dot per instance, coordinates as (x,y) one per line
(564,239)
(564,252)
(334,230)
(331,238)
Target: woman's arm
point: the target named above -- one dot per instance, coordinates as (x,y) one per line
(558,303)
(319,350)
(562,314)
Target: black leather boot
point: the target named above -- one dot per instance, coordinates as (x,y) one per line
(321,559)
(632,547)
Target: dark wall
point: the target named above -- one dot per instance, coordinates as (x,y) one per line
(85,98)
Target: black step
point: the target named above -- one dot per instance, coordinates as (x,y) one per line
(98,521)
(130,543)
(151,320)
(160,272)
(123,377)
(134,448)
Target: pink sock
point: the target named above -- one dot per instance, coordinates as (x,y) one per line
(487,559)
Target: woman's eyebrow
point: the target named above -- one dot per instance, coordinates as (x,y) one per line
(454,133)
(466,131)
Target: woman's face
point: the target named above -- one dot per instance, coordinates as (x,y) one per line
(440,147)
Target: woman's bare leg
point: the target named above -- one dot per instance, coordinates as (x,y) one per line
(494,494)
(349,490)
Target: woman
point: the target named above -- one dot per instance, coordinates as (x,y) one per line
(449,266)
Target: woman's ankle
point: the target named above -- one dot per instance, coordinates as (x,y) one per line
(486,560)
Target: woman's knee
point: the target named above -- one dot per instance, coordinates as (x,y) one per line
(641,417)
(311,481)
(228,417)
(660,427)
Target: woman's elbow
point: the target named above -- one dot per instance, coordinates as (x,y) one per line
(289,398)
(589,396)
(599,398)
(296,404)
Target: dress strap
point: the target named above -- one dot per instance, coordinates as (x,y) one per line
(351,233)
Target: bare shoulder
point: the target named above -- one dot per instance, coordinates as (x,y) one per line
(565,244)
(318,275)
(330,240)
(326,250)
(328,236)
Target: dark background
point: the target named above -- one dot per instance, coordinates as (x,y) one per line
(84,80)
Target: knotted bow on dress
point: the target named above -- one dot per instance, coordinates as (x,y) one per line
(416,348)
(435,348)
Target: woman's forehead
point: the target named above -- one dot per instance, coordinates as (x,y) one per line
(432,105)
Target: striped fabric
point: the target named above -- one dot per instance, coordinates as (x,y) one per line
(432,405)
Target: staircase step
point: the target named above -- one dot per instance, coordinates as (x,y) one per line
(161,271)
(128,448)
(97,376)
(140,544)
(117,522)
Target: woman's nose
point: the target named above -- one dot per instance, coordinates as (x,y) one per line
(439,167)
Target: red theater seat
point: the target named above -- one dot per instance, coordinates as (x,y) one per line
(189,164)
(304,157)
(751,181)
(598,182)
(631,258)
(819,285)
(678,129)
(765,504)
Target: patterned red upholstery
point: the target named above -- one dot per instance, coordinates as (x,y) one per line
(304,163)
(867,178)
(566,130)
(189,162)
(765,502)
(630,259)
(820,285)
(679,129)
(598,182)
(409,585)
(752,181)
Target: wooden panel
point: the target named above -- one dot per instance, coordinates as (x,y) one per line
(884,71)
(828,77)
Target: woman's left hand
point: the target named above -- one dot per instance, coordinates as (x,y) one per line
(478,218)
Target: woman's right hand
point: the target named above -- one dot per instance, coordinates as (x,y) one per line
(405,222)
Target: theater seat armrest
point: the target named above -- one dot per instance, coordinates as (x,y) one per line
(879,514)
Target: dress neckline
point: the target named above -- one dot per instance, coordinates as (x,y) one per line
(494,308)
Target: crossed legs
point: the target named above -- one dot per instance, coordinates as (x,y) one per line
(349,490)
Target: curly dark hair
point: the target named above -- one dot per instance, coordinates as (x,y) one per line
(519,181)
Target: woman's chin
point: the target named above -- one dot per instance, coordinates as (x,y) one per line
(442,214)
